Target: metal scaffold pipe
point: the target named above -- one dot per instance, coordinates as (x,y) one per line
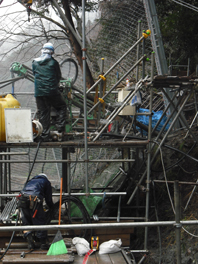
(84,93)
(96,226)
(117,110)
(149,155)
(76,194)
(66,161)
(88,226)
(159,146)
(96,83)
(120,80)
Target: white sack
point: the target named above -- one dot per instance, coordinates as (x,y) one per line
(111,246)
(81,244)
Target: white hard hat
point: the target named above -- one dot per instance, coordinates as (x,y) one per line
(48,46)
(42,174)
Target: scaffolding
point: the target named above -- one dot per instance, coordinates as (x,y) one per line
(130,142)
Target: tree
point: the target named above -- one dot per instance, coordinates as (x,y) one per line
(178,25)
(48,20)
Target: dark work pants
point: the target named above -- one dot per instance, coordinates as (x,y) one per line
(44,104)
(40,219)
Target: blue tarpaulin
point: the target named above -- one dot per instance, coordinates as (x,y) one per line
(144,119)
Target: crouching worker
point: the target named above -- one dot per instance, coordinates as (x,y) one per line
(30,201)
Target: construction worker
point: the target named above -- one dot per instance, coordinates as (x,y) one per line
(30,201)
(47,75)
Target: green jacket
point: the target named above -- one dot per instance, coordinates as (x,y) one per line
(47,75)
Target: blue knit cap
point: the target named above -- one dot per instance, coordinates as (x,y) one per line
(49,46)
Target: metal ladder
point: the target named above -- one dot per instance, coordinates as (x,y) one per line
(8,211)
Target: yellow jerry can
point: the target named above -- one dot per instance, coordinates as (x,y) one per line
(6,102)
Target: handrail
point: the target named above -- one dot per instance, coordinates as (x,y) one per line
(96,83)
(115,85)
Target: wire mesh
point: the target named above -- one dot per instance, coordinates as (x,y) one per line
(108,37)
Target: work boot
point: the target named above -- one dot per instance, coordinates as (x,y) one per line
(44,244)
(30,241)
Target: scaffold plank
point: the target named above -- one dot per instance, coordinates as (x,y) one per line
(42,258)
(96,258)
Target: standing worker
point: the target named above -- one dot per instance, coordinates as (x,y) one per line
(47,75)
(31,203)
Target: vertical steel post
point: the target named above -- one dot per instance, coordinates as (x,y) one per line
(138,50)
(158,47)
(188,67)
(9,173)
(1,184)
(85,95)
(149,155)
(177,220)
(5,174)
(143,62)
(195,102)
(64,170)
(100,93)
(68,173)
(12,76)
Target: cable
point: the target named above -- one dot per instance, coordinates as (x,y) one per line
(33,162)
(13,233)
(51,214)
(184,154)
(162,161)
(182,3)
(188,172)
(168,187)
(189,232)
(188,5)
(129,129)
(45,156)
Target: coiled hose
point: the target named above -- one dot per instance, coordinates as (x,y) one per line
(71,203)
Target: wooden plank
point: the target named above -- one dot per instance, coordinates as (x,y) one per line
(96,258)
(117,258)
(35,252)
(92,259)
(32,259)
(103,259)
(78,259)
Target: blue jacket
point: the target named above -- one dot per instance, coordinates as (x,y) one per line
(47,75)
(41,187)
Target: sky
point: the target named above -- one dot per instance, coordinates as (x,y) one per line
(15,9)
(13,6)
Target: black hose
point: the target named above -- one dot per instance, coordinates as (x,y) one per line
(13,233)
(112,135)
(37,149)
(85,216)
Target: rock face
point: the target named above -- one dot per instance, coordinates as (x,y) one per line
(180,157)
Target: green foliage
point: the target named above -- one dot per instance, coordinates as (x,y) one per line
(178,26)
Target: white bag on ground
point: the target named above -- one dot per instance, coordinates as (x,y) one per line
(111,246)
(81,244)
